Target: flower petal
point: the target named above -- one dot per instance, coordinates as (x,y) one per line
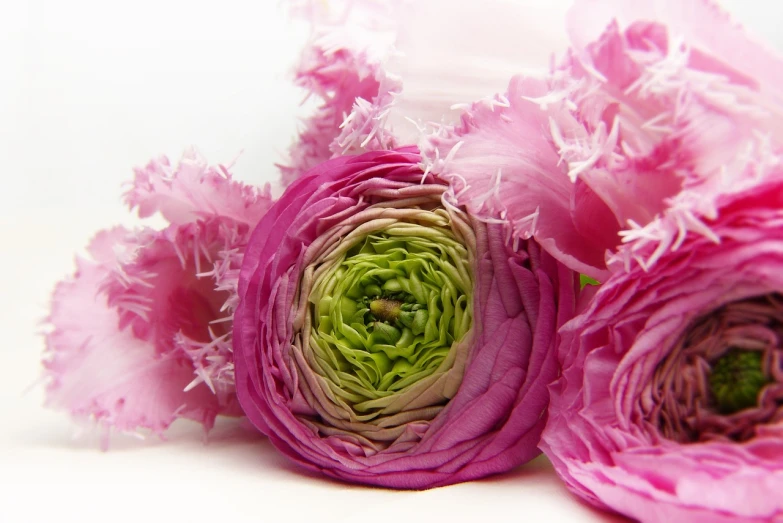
(678,102)
(100,371)
(194,190)
(308,372)
(717,44)
(405,72)
(504,165)
(609,431)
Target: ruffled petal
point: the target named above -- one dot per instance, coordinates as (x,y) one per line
(649,118)
(450,53)
(717,44)
(142,334)
(307,372)
(678,103)
(504,164)
(404,72)
(177,289)
(193,190)
(98,370)
(633,366)
(340,65)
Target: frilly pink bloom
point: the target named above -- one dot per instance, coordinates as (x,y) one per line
(343,386)
(384,70)
(141,334)
(670,403)
(653,111)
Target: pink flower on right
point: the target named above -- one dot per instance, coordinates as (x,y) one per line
(669,404)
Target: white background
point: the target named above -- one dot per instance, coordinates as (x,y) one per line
(89,89)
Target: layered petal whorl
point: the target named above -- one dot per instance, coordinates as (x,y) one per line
(669,406)
(384,338)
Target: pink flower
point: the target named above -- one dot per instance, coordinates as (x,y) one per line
(386,337)
(141,334)
(652,111)
(384,70)
(670,403)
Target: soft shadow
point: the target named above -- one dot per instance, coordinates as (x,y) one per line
(235,443)
(540,470)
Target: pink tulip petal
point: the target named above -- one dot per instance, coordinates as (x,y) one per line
(142,334)
(504,165)
(194,190)
(102,372)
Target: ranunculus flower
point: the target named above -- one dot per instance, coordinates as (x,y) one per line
(385,337)
(141,334)
(670,403)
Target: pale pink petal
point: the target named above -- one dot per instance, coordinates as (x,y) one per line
(142,334)
(645,118)
(340,65)
(99,371)
(504,164)
(193,190)
(717,44)
(678,103)
(452,53)
(176,290)
(407,64)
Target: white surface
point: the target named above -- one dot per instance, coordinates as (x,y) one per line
(89,89)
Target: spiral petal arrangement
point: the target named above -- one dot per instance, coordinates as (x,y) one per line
(670,404)
(385,337)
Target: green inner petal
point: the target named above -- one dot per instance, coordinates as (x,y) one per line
(386,313)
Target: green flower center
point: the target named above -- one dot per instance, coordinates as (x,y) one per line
(718,380)
(388,310)
(736,379)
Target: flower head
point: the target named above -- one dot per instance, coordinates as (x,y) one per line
(141,334)
(385,337)
(670,402)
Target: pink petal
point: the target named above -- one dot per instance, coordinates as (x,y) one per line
(103,372)
(681,107)
(385,70)
(340,64)
(504,164)
(718,44)
(194,190)
(142,334)
(177,290)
